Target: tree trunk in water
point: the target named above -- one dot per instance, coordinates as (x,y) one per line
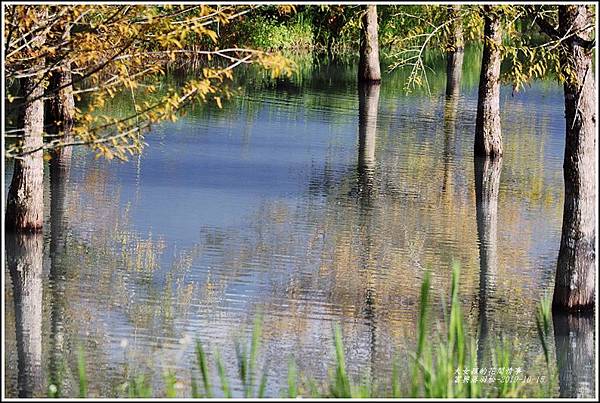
(455,54)
(25,204)
(24,256)
(488,134)
(574,339)
(60,107)
(368,104)
(574,287)
(368,66)
(487,185)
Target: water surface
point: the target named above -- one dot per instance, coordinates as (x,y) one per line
(312,201)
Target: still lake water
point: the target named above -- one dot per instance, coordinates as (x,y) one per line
(312,207)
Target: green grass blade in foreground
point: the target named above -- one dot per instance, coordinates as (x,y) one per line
(170,383)
(83,383)
(421,333)
(341,384)
(222,375)
(203,367)
(292,380)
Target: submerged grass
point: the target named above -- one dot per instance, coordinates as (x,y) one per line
(442,369)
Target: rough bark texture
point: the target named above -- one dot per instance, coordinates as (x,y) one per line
(488,134)
(368,104)
(487,185)
(60,107)
(25,204)
(575,358)
(368,67)
(455,53)
(575,272)
(24,256)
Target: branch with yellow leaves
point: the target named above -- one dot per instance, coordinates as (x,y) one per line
(118,137)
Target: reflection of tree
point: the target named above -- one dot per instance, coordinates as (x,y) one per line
(24,256)
(487,183)
(574,339)
(368,103)
(60,167)
(450,111)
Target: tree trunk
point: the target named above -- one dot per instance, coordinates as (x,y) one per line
(575,272)
(368,104)
(455,54)
(487,185)
(574,339)
(368,67)
(25,204)
(24,256)
(60,107)
(488,134)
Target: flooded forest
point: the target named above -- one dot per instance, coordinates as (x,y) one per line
(279,200)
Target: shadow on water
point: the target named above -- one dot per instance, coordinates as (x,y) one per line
(487,185)
(574,340)
(24,256)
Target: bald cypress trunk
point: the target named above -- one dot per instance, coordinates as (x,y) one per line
(488,134)
(575,272)
(25,203)
(455,53)
(60,107)
(368,67)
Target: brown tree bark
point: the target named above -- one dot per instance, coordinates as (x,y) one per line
(24,257)
(488,134)
(455,53)
(368,66)
(25,203)
(60,107)
(487,186)
(574,287)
